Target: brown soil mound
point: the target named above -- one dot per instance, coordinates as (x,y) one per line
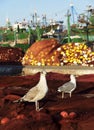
(42,53)
(9,55)
(22,116)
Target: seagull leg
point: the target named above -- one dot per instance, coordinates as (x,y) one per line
(70,94)
(62,94)
(37,105)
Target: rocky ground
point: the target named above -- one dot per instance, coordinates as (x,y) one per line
(75,113)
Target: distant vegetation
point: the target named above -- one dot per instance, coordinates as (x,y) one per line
(8,35)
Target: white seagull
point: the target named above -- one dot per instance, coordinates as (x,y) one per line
(68,87)
(36,93)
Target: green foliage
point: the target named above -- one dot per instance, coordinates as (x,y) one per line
(22,35)
(92,19)
(24,47)
(5,45)
(9,35)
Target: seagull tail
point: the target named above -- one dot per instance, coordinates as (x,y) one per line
(19,100)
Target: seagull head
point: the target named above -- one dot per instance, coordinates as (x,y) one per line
(72,76)
(43,72)
(59,89)
(73,79)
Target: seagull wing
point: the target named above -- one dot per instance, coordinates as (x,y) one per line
(67,87)
(41,94)
(30,95)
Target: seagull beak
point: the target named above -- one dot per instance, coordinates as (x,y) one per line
(58,90)
(43,72)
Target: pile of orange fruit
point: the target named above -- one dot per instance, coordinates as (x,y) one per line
(76,53)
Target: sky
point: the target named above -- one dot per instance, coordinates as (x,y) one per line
(17,10)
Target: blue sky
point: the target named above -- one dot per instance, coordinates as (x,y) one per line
(17,10)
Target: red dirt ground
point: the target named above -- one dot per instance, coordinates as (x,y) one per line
(22,116)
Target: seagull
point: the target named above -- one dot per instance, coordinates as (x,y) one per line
(68,87)
(36,93)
